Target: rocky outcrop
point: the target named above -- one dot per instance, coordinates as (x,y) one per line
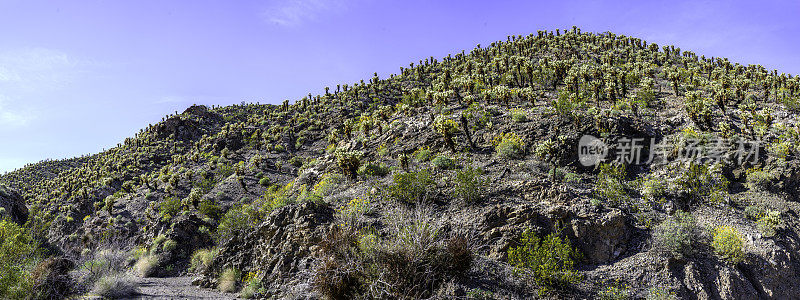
(601,237)
(280,250)
(13,206)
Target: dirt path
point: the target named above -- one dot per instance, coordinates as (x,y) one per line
(176,288)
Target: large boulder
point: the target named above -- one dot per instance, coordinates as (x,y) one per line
(12,206)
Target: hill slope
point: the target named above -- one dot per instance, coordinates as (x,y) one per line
(460,177)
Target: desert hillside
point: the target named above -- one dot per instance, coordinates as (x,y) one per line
(558,165)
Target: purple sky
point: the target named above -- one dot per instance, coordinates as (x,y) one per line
(80,76)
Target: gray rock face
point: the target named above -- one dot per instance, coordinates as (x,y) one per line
(281,248)
(13,205)
(601,237)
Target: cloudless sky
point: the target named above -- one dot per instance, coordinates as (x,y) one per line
(79,76)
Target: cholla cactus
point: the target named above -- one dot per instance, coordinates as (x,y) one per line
(446,127)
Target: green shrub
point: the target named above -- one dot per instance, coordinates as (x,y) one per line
(349,162)
(728,244)
(645,96)
(243,216)
(570,177)
(228,280)
(411,187)
(264,181)
(550,261)
(327,184)
(443,162)
(469,185)
(209,208)
(169,208)
(704,184)
(509,146)
(657,293)
(610,187)
(754,212)
(422,154)
(758,179)
(565,103)
(157,242)
(518,115)
(224,169)
(252,285)
(202,259)
(355,208)
(677,235)
(769,223)
(373,169)
(169,245)
(234,220)
(206,184)
(17,259)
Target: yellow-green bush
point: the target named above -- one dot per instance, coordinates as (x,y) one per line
(767,221)
(169,208)
(758,179)
(469,184)
(728,244)
(518,115)
(412,187)
(614,293)
(202,259)
(550,261)
(327,184)
(704,184)
(373,169)
(17,259)
(251,285)
(610,185)
(443,162)
(509,145)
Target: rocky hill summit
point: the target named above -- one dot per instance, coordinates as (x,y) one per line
(558,165)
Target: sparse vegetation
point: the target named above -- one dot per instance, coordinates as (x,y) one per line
(677,236)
